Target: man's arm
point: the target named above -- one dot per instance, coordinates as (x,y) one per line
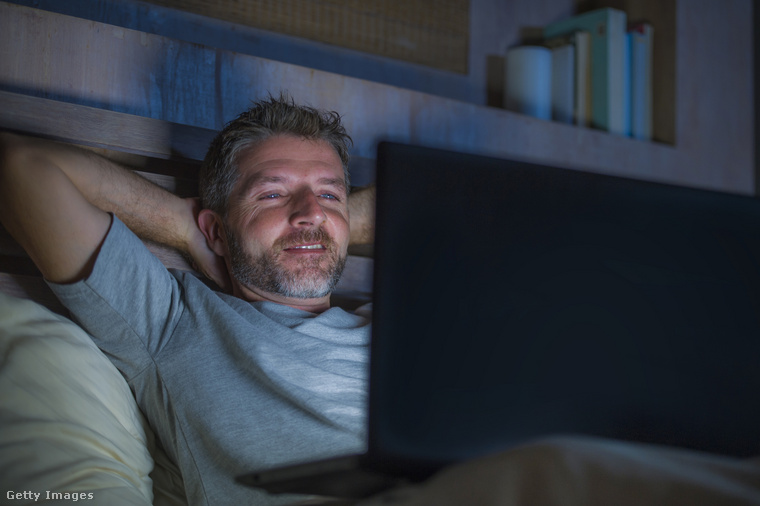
(54,201)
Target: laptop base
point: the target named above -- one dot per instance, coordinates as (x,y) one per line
(342,477)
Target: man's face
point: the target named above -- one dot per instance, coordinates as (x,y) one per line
(287,225)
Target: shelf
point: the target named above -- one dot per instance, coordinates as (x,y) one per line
(74,60)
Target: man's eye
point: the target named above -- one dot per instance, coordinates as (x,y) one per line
(329,196)
(270,196)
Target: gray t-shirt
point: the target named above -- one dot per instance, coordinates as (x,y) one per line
(229,386)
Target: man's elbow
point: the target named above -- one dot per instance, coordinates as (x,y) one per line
(11,154)
(14,152)
(8,145)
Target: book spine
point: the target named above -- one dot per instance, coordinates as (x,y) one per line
(627,87)
(607,29)
(616,73)
(641,81)
(563,83)
(583,93)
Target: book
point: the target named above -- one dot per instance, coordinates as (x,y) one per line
(563,83)
(640,36)
(581,43)
(627,106)
(607,28)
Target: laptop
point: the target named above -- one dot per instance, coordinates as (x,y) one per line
(515,301)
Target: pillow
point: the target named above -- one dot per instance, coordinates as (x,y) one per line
(70,428)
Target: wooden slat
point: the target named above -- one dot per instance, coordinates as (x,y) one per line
(90,126)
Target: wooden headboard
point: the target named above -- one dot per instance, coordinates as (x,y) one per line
(168,154)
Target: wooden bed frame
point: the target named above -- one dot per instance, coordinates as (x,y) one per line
(168,154)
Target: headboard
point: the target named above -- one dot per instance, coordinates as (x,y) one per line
(169,154)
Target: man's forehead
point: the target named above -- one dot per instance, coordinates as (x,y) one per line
(285,149)
(289,147)
(288,159)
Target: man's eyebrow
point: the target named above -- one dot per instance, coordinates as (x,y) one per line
(334,181)
(255,182)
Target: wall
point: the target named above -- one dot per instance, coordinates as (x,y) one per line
(165,77)
(178,25)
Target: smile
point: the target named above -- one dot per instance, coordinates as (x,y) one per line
(307,247)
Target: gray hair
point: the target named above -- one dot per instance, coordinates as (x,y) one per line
(265,119)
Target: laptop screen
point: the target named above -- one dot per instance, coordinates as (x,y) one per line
(515,301)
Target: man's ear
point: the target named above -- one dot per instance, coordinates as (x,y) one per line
(212,227)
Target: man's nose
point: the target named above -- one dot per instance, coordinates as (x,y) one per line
(307,210)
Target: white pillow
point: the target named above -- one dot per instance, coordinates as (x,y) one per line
(68,421)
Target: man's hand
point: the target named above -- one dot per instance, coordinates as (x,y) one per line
(361,211)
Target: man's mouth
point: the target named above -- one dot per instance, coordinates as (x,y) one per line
(312,242)
(306,247)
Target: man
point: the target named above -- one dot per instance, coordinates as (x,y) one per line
(265,374)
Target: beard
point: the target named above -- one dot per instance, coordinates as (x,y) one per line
(311,278)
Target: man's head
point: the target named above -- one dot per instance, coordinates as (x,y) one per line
(265,119)
(274,186)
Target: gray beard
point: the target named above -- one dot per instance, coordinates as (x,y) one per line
(308,281)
